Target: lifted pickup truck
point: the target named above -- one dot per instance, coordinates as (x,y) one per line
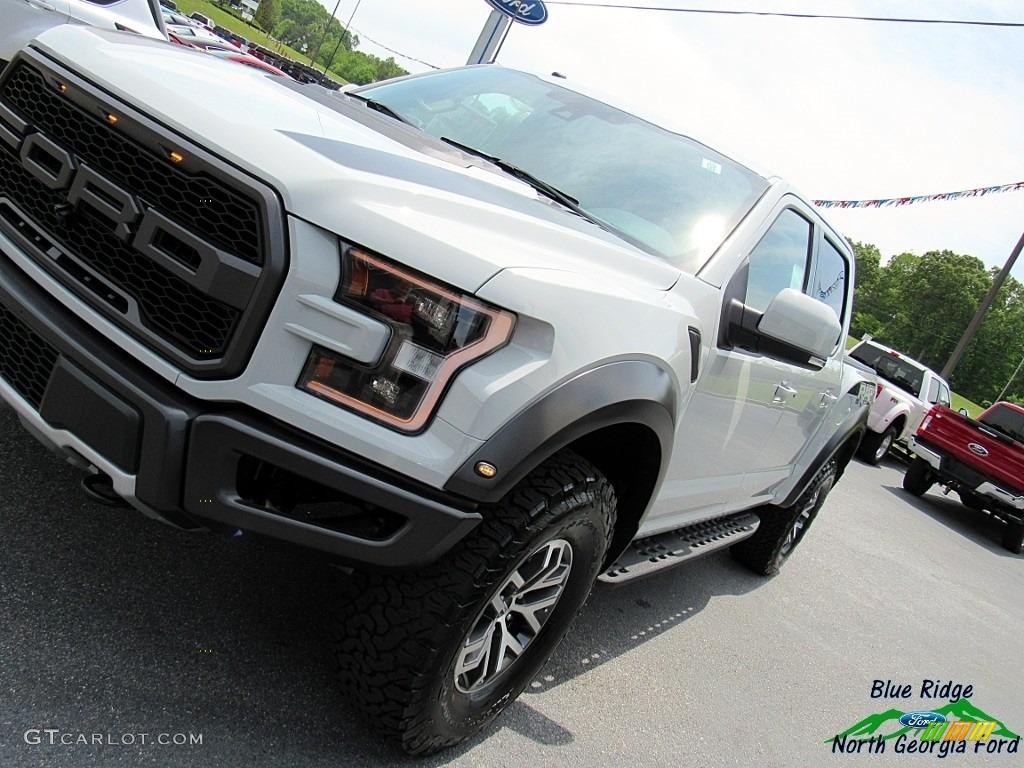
(476,335)
(906,390)
(982,460)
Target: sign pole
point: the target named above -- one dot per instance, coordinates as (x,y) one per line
(491,37)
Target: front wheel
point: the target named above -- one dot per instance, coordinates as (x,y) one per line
(434,656)
(781,529)
(918,477)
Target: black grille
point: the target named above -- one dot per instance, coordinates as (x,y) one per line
(26,361)
(167,304)
(224,216)
(135,249)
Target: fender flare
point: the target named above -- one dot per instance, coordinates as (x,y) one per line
(846,439)
(622,392)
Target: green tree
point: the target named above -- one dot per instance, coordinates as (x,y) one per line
(268,15)
(921,305)
(866,290)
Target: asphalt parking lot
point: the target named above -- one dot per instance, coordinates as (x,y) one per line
(114,626)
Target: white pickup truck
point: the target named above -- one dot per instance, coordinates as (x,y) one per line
(476,335)
(906,391)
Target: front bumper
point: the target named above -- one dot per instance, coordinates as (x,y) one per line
(218,464)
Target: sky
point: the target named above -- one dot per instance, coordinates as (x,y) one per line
(846,110)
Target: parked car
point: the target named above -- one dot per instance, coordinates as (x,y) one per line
(981,459)
(479,336)
(172,18)
(197,37)
(21,20)
(249,61)
(169,5)
(202,20)
(906,390)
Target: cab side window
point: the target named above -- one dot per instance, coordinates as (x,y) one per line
(830,273)
(938,393)
(780,260)
(944,398)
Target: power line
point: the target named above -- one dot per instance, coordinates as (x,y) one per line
(392,50)
(723,12)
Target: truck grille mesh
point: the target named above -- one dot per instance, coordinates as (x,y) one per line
(26,361)
(211,208)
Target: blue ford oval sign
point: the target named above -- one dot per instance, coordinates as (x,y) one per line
(922,718)
(531,12)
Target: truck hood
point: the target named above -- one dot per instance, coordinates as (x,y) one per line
(364,176)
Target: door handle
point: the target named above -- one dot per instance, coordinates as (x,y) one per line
(827,398)
(782,392)
(42,5)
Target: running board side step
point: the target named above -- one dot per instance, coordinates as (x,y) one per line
(666,550)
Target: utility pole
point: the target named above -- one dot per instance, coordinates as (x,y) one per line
(316,53)
(1011,380)
(975,323)
(340,41)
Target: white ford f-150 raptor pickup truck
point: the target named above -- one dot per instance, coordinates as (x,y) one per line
(475,335)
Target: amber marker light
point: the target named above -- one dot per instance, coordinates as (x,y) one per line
(485,469)
(176,157)
(112,118)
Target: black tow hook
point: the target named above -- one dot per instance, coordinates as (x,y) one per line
(100,489)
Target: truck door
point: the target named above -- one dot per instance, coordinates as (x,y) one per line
(803,396)
(728,428)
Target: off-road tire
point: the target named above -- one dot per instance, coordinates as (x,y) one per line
(783,528)
(405,642)
(874,446)
(1013,537)
(918,477)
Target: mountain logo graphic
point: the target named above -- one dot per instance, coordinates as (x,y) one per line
(891,724)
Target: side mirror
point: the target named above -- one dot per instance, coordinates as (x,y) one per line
(794,318)
(794,328)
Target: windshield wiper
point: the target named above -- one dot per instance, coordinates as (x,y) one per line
(540,185)
(376,106)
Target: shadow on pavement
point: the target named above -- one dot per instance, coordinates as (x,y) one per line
(982,528)
(118,624)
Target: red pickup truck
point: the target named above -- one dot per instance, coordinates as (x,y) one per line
(983,461)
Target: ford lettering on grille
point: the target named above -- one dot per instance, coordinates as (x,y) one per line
(59,171)
(171,243)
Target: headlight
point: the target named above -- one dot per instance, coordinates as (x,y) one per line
(435,331)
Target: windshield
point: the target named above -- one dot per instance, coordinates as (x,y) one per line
(891,367)
(663,192)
